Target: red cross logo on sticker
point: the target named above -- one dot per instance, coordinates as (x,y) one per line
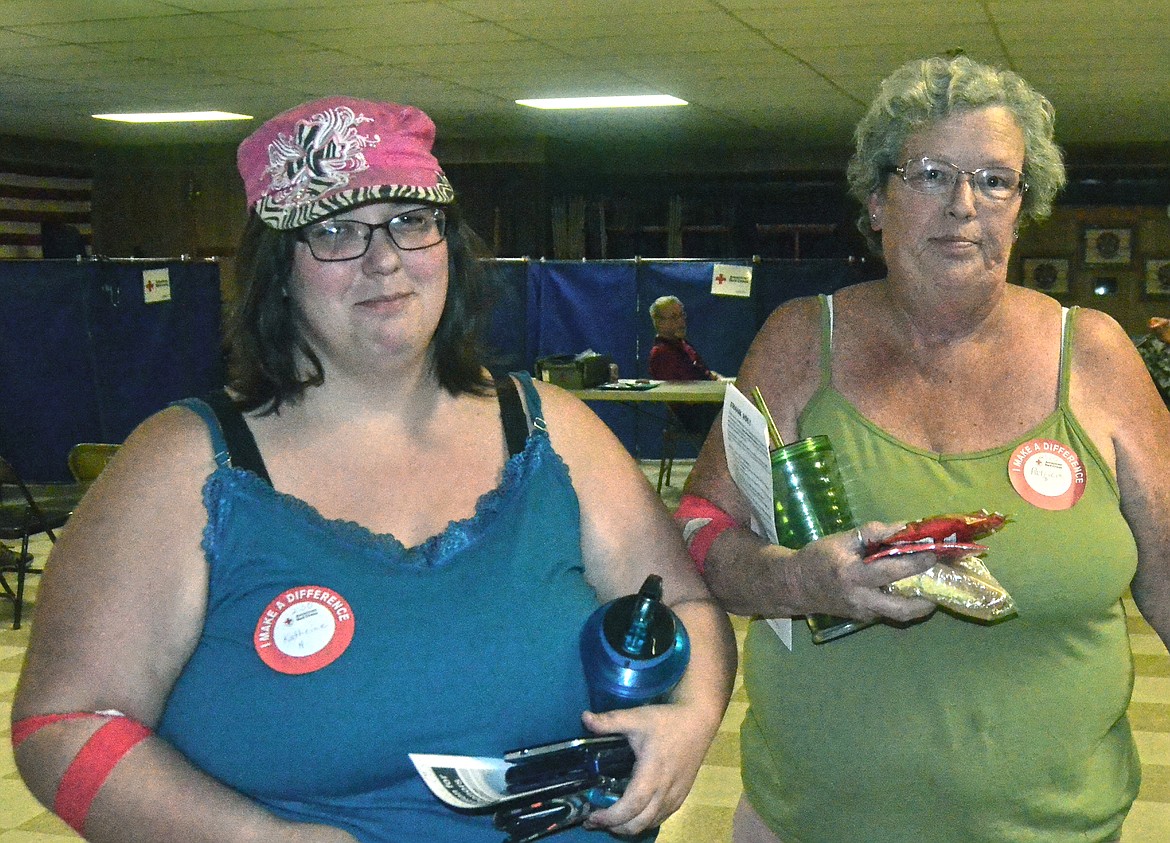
(304,629)
(1047,474)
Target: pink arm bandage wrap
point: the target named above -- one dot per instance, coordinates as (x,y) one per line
(702,522)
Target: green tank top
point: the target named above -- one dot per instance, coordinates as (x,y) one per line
(951,730)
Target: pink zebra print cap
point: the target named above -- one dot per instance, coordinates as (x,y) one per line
(332,154)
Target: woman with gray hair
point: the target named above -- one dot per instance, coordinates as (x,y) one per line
(944,388)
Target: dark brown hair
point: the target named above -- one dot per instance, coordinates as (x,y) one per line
(268,354)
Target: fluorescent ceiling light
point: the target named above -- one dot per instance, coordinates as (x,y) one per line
(173,116)
(640,101)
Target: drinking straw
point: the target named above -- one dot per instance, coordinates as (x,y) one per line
(773,433)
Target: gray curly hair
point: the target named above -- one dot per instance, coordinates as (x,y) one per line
(924,91)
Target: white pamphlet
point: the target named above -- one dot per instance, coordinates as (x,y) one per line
(469,782)
(745,444)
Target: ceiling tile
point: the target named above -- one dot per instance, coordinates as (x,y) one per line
(387,19)
(162,28)
(525,10)
(780,72)
(471,37)
(646,23)
(829,15)
(32,12)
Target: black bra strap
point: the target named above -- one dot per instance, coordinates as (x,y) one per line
(241,443)
(512,415)
(245,454)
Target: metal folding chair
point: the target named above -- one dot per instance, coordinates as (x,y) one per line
(88,459)
(21,517)
(673,433)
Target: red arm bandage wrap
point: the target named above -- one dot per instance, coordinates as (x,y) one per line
(92,765)
(702,522)
(24,729)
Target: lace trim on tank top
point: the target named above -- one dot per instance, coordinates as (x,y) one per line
(226,483)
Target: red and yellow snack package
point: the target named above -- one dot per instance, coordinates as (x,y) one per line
(960,581)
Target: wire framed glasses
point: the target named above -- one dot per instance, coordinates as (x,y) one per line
(345,240)
(935,177)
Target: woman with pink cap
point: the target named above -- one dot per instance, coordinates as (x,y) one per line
(363,548)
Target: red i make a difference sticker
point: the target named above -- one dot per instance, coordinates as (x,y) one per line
(304,629)
(1047,474)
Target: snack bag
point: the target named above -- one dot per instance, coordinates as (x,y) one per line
(960,581)
(963,585)
(950,529)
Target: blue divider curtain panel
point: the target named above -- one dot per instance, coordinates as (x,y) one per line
(85,358)
(589,306)
(566,307)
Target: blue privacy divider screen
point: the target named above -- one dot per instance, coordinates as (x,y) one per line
(589,306)
(83,358)
(47,381)
(569,306)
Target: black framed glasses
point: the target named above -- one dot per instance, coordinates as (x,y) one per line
(346,240)
(935,177)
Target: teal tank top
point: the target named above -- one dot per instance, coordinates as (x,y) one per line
(466,644)
(949,730)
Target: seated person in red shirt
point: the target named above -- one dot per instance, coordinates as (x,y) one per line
(672,358)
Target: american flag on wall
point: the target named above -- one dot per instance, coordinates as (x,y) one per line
(33,194)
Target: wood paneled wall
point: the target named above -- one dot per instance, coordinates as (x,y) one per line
(1143,241)
(188,200)
(169,202)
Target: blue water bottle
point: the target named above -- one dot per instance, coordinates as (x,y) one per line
(634,649)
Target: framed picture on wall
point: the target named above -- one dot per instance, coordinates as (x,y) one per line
(1108,246)
(1158,277)
(1048,275)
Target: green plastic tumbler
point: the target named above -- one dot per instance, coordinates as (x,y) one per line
(810,503)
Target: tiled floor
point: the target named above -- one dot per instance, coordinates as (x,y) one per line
(706,815)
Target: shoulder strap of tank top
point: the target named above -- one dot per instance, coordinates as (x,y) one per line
(512,415)
(826,338)
(241,444)
(532,399)
(214,430)
(1067,315)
